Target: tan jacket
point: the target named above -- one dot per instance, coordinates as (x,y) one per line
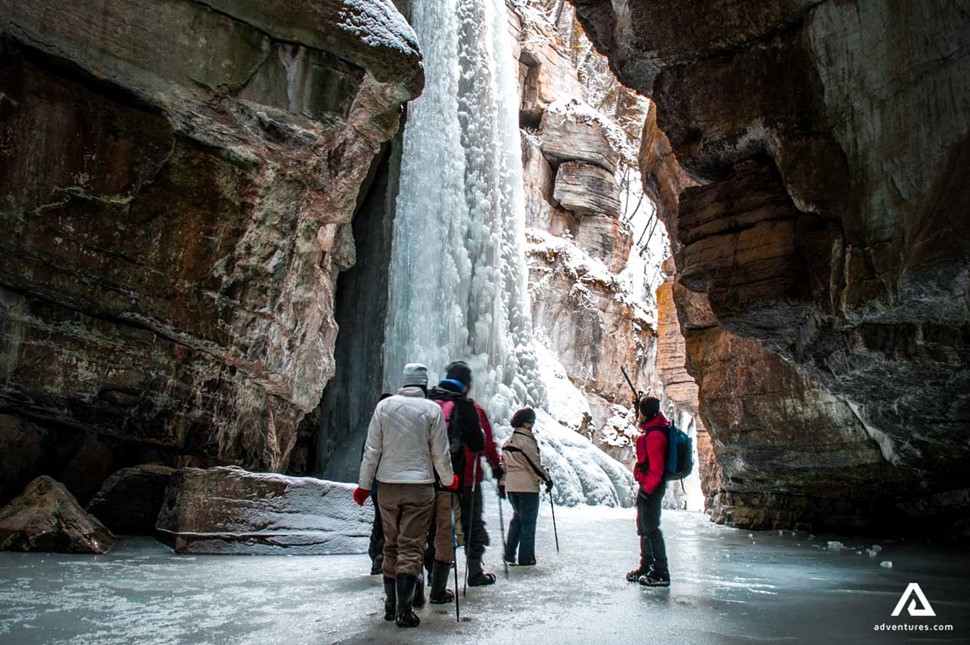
(519,475)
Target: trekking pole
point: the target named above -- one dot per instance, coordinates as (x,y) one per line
(454,549)
(636,393)
(471,525)
(501,526)
(555,531)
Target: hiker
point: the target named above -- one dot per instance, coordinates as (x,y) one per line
(651,448)
(458,379)
(523,471)
(376,547)
(464,432)
(406,446)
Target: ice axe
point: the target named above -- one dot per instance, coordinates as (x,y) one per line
(637,394)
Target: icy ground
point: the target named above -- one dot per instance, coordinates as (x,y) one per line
(728,588)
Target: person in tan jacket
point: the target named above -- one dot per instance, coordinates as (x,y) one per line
(522,473)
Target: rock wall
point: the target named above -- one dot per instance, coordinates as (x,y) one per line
(178,183)
(825,145)
(584,311)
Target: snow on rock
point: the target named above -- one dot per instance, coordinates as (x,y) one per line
(230,511)
(377,24)
(567,403)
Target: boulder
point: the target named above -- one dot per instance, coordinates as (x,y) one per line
(130,500)
(586,189)
(230,511)
(569,135)
(47,518)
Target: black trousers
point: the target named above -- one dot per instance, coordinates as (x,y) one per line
(472,524)
(376,546)
(652,547)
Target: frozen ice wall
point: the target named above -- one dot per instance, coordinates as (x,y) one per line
(458,283)
(458,272)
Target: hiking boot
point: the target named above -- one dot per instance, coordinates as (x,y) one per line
(477,577)
(405,617)
(656,576)
(419,593)
(440,594)
(390,598)
(527,563)
(646,561)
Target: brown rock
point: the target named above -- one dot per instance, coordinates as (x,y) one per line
(586,189)
(567,136)
(229,511)
(671,361)
(830,141)
(605,239)
(130,500)
(47,518)
(169,276)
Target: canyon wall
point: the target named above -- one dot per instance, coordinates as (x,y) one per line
(809,160)
(178,184)
(585,309)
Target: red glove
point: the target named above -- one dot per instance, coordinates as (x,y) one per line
(454,483)
(361,495)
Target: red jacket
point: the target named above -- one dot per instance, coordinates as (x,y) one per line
(491,454)
(651,454)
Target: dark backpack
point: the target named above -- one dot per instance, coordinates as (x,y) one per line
(461,421)
(680,453)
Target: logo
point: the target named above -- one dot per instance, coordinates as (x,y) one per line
(924,608)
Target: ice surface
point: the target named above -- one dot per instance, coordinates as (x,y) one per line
(724,591)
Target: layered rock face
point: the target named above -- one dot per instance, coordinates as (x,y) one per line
(584,311)
(178,183)
(809,161)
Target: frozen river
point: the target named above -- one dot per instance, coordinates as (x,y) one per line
(729,587)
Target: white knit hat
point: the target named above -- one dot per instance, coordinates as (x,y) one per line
(415,374)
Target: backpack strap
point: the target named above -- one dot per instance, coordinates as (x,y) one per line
(532,465)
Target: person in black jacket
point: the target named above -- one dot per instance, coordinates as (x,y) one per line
(464,431)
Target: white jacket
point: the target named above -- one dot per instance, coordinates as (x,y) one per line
(405,440)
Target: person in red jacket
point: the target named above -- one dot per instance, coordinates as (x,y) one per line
(650,475)
(472,523)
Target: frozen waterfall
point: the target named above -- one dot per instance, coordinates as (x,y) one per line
(458,287)
(458,283)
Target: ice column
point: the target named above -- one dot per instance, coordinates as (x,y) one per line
(458,284)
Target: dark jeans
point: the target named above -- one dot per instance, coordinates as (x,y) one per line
(522,528)
(376,546)
(652,547)
(476,537)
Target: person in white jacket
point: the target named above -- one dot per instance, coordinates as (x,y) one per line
(407,442)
